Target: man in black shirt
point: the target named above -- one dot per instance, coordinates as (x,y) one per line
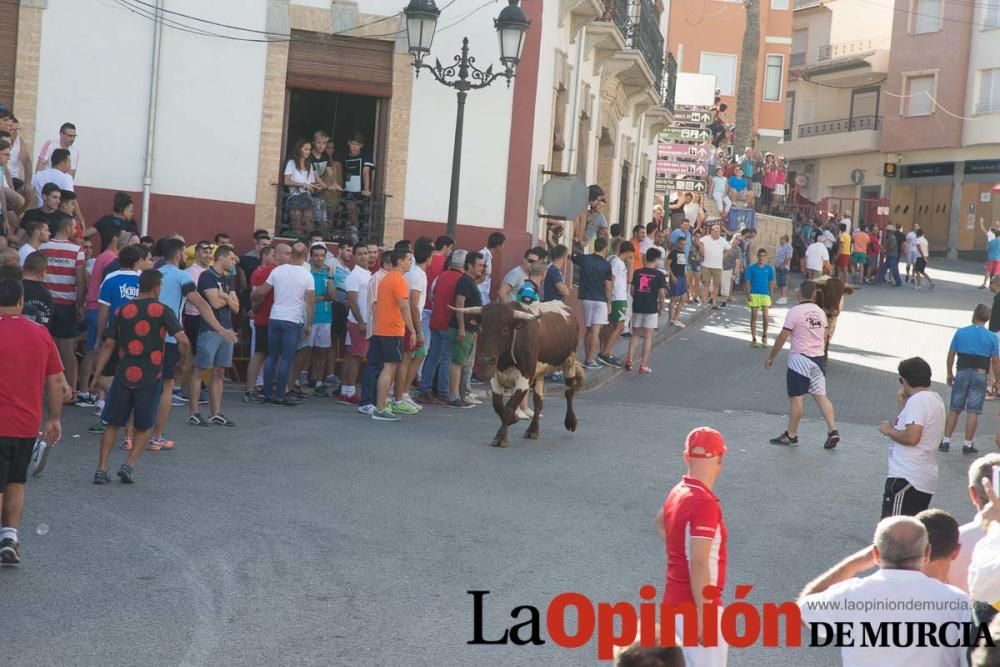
(215,352)
(37,299)
(595,296)
(648,284)
(554,287)
(678,280)
(462,330)
(120,220)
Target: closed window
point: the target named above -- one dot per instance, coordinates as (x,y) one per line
(991,14)
(723,66)
(772,78)
(800,41)
(779,4)
(989,91)
(925,15)
(919,91)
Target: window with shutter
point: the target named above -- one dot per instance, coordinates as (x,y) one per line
(340,64)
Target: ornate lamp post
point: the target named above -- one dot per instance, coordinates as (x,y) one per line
(462,74)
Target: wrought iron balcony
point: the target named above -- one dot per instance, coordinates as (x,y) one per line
(669,85)
(841,49)
(639,24)
(842,125)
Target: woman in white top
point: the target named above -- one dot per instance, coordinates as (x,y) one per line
(720,192)
(300,179)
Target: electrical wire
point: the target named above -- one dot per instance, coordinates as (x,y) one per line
(940,17)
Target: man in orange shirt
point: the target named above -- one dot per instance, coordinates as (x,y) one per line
(392,323)
(859,257)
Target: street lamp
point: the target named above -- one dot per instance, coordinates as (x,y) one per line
(463,75)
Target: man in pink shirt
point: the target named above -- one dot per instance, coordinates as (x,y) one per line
(805,325)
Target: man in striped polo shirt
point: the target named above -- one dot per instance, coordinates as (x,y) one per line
(66,280)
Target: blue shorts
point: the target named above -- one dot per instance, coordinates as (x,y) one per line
(171,356)
(214,351)
(91,318)
(679,287)
(969,391)
(781,277)
(140,403)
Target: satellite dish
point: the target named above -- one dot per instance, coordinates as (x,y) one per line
(858,176)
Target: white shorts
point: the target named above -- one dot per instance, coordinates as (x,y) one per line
(645,321)
(319,336)
(594,313)
(727,282)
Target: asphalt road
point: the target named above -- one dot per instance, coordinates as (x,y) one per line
(314,536)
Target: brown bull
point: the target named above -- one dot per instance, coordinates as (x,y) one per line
(830,295)
(516,347)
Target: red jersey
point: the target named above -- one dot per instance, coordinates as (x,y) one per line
(692,511)
(444,296)
(262,315)
(434,269)
(22,375)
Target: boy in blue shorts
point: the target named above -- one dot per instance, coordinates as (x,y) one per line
(760,282)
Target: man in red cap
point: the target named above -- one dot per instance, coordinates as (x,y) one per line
(691,525)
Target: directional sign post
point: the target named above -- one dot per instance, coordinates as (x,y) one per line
(665,150)
(676,185)
(682,168)
(701,117)
(684,134)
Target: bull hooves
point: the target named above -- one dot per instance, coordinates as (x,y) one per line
(499,443)
(531,435)
(571,426)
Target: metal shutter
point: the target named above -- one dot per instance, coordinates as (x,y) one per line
(8,51)
(340,64)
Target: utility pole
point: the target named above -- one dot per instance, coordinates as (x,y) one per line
(746,89)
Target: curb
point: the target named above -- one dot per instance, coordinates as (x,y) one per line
(597,378)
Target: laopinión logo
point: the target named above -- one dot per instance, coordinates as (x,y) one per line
(738,624)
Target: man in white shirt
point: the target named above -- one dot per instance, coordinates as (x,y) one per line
(970,533)
(38,233)
(413,356)
(713,247)
(66,141)
(817,259)
(290,321)
(493,243)
(900,551)
(356,287)
(914,435)
(58,173)
(911,252)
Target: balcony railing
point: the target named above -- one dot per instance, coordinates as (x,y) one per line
(669,86)
(640,27)
(842,125)
(841,49)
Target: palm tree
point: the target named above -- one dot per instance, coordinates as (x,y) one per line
(746,91)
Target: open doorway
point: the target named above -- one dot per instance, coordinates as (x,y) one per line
(351,203)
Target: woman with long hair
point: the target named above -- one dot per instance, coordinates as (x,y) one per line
(300,179)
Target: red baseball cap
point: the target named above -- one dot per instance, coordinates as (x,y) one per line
(704,443)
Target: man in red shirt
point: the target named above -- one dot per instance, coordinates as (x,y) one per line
(23,377)
(270,257)
(439,355)
(694,532)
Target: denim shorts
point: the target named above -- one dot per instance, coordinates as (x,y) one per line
(214,351)
(781,277)
(969,391)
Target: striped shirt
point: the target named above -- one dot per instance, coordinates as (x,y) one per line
(60,278)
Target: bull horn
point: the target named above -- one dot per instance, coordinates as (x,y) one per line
(471,310)
(521,315)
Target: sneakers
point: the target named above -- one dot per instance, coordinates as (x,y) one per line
(413,404)
(85,399)
(832,439)
(609,360)
(386,415)
(591,365)
(203,398)
(628,364)
(250,397)
(101,477)
(197,420)
(366,409)
(678,324)
(160,443)
(153,445)
(781,301)
(353,399)
(126,474)
(126,444)
(176,400)
(524,414)
(645,370)
(179,397)
(321,391)
(398,408)
(220,419)
(459,403)
(297,393)
(427,398)
(10,552)
(472,398)
(97,428)
(39,455)
(969,449)
(786,440)
(281,402)
(944,446)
